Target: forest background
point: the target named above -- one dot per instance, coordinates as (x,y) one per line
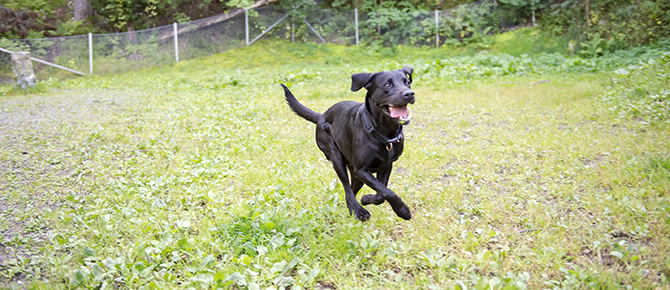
(596,26)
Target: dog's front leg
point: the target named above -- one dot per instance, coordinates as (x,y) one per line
(399,207)
(383,177)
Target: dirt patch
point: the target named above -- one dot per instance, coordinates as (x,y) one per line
(36,161)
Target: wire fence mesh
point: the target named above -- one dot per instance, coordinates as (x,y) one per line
(122,52)
(209,36)
(70,51)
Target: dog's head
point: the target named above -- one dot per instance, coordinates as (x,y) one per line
(388,91)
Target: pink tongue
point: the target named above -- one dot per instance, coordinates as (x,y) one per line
(397,112)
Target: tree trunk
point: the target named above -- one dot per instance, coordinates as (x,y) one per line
(131,32)
(588,23)
(82,10)
(379,28)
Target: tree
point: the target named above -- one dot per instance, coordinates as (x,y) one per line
(82,10)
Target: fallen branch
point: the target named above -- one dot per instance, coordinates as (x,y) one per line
(215,19)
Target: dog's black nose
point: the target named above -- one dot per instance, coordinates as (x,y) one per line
(408,94)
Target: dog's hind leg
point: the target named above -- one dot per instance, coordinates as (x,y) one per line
(375,199)
(349,194)
(327,145)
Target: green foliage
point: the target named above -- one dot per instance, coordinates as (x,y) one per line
(612,24)
(388,25)
(239,3)
(469,24)
(530,40)
(122,15)
(483,65)
(45,6)
(22,23)
(125,13)
(298,8)
(642,91)
(71,27)
(262,229)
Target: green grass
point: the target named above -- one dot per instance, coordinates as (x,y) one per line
(198,175)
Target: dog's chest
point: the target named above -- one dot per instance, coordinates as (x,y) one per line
(385,159)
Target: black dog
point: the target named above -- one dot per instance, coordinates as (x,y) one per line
(365,138)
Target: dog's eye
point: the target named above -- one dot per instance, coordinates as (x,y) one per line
(387,84)
(407,82)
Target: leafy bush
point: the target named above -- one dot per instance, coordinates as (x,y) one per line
(610,25)
(465,67)
(469,24)
(642,91)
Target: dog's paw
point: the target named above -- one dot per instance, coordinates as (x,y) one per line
(403,212)
(362,214)
(375,199)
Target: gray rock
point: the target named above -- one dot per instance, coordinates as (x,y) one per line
(23,70)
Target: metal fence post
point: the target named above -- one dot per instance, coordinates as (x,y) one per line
(533,2)
(292,28)
(356,17)
(90,53)
(176,42)
(437,29)
(246,24)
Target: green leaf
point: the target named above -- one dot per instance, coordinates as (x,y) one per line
(245,260)
(622,72)
(238,278)
(97,272)
(207,261)
(461,286)
(284,282)
(88,252)
(278,267)
(617,254)
(262,250)
(166,239)
(147,271)
(203,278)
(79,277)
(278,240)
(180,224)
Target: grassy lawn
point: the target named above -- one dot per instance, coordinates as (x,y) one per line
(197,175)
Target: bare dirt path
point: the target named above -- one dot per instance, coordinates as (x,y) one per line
(39,164)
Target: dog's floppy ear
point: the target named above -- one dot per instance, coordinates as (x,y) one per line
(361,80)
(408,71)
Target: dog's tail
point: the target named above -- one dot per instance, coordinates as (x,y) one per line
(299,108)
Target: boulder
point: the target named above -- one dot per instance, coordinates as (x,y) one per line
(23,70)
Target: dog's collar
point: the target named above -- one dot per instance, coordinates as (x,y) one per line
(373,131)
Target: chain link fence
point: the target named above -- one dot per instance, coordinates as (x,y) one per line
(70,51)
(122,52)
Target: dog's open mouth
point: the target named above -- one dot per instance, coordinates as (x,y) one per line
(400,113)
